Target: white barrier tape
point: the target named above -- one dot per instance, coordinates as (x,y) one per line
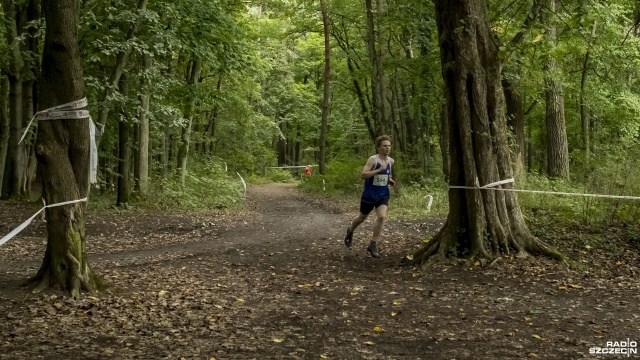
(67,114)
(243,184)
(497,183)
(22,226)
(429,202)
(93,160)
(70,111)
(548,192)
(66,109)
(290,167)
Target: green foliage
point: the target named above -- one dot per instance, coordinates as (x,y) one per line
(579,209)
(207,188)
(413,200)
(342,178)
(279,175)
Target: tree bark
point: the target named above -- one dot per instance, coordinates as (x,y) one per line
(326,87)
(142,185)
(185,134)
(62,150)
(481,223)
(557,143)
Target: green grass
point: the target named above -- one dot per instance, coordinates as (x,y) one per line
(207,188)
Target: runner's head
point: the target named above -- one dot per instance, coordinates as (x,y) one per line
(383,144)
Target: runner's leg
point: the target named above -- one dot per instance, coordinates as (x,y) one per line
(377,227)
(357,221)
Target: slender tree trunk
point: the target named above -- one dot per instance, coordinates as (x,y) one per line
(214,117)
(29,101)
(185,137)
(165,146)
(197,139)
(557,144)
(4,124)
(380,76)
(121,62)
(529,149)
(584,112)
(326,82)
(282,144)
(481,223)
(142,186)
(124,150)
(15,164)
(361,100)
(515,121)
(376,73)
(297,147)
(352,64)
(29,154)
(62,149)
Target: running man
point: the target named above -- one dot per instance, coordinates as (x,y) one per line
(377,178)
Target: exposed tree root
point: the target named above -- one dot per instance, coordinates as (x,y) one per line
(73,281)
(438,249)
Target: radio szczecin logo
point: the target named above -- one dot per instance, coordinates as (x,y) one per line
(627,347)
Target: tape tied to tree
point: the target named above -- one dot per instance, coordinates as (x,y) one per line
(494,186)
(72,111)
(22,226)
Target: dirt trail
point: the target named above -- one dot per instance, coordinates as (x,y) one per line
(277,283)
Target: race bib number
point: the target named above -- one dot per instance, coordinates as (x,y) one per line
(380,179)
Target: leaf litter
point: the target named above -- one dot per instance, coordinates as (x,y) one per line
(277,282)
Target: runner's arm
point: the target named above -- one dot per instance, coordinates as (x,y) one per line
(366,170)
(391,181)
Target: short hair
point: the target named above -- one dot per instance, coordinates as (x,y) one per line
(382,138)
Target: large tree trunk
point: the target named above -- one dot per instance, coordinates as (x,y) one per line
(324,128)
(15,164)
(62,149)
(481,223)
(185,135)
(557,143)
(4,124)
(142,185)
